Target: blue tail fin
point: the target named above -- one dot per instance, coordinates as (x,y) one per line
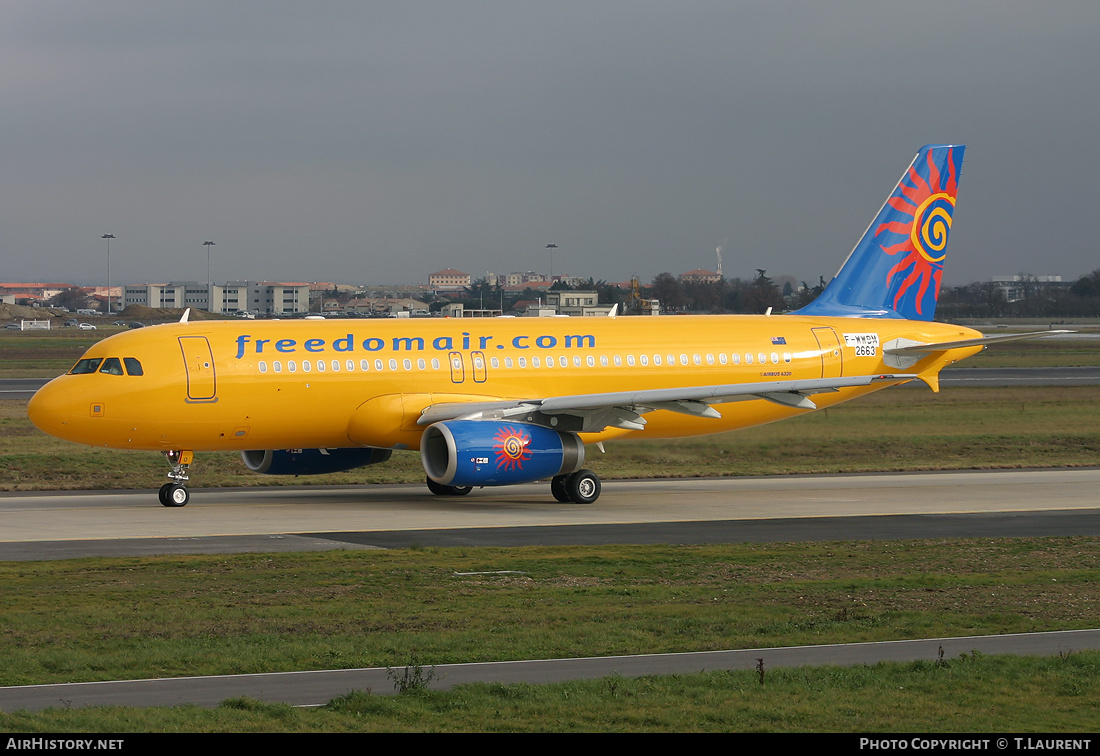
(895,269)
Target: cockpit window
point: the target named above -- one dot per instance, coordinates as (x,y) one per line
(111,366)
(87,365)
(133,367)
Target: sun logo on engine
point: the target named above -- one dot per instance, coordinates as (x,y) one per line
(924,204)
(510,444)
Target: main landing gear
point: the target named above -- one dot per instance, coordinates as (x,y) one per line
(441,490)
(581,487)
(175,493)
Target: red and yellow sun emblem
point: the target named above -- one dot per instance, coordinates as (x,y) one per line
(921,239)
(510,444)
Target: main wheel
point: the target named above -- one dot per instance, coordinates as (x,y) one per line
(441,490)
(583,487)
(558,488)
(174,495)
(437,488)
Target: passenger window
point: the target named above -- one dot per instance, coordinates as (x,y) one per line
(112,366)
(133,367)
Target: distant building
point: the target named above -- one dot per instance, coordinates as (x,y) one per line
(448,279)
(519,278)
(700,276)
(1016,288)
(576,303)
(386,306)
(233,297)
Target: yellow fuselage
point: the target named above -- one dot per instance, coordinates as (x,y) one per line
(236,385)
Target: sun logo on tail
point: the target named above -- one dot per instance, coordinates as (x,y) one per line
(510,445)
(928,202)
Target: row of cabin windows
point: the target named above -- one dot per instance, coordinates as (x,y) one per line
(380,365)
(108,365)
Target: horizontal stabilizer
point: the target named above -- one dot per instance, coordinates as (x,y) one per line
(941,346)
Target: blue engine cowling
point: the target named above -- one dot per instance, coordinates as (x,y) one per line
(311,461)
(489,453)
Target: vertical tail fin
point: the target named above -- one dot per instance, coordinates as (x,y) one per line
(894,271)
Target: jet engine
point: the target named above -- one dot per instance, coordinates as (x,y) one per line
(311,461)
(490,453)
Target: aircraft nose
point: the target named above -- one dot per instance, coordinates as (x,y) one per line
(52,410)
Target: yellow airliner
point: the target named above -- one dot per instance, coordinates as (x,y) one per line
(501,401)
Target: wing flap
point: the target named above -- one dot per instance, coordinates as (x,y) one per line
(623,409)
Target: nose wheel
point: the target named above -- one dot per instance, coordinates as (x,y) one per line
(175,493)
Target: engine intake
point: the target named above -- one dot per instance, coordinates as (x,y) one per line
(311,461)
(484,453)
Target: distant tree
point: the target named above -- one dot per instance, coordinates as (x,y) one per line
(1087,286)
(705,296)
(72,299)
(666,287)
(762,294)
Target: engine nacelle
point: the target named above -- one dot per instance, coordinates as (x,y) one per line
(311,461)
(489,453)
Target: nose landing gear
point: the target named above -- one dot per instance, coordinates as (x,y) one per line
(175,493)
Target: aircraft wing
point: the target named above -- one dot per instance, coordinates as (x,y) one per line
(591,413)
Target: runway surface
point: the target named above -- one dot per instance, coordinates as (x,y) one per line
(713,510)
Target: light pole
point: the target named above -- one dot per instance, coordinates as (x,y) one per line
(208,245)
(209,285)
(551,247)
(108,236)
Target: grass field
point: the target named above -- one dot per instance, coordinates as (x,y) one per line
(95,619)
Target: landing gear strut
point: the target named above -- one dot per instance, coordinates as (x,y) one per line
(175,493)
(582,487)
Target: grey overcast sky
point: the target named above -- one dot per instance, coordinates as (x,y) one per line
(378,141)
